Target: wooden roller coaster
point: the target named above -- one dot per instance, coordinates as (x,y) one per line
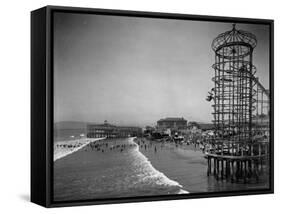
(240,148)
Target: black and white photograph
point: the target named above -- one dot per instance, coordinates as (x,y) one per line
(154,107)
(144,106)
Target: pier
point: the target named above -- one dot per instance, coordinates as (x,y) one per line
(236,168)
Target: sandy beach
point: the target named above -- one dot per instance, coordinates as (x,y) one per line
(186,165)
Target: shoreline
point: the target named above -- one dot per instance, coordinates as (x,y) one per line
(186,165)
(160,173)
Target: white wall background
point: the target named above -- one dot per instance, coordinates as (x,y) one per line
(15,105)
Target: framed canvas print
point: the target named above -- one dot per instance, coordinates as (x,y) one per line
(138,106)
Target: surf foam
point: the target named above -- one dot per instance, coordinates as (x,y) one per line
(162,179)
(60,152)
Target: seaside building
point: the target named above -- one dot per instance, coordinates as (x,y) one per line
(200,128)
(206,126)
(172,123)
(112,131)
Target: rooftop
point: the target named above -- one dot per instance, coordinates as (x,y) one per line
(108,125)
(172,119)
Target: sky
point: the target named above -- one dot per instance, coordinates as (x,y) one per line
(135,71)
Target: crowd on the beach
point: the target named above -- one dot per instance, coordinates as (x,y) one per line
(68,145)
(64,148)
(120,145)
(108,145)
(191,142)
(148,144)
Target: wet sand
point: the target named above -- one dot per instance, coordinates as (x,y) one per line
(186,165)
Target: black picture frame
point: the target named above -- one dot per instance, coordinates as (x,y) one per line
(42,92)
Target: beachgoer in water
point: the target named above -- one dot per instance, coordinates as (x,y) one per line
(155,149)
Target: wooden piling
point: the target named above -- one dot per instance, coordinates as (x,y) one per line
(235,168)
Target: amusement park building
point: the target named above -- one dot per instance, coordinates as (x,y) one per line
(112,131)
(173,123)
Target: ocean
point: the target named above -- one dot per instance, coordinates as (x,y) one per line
(115,168)
(108,169)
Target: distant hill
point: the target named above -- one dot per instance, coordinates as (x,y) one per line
(70,125)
